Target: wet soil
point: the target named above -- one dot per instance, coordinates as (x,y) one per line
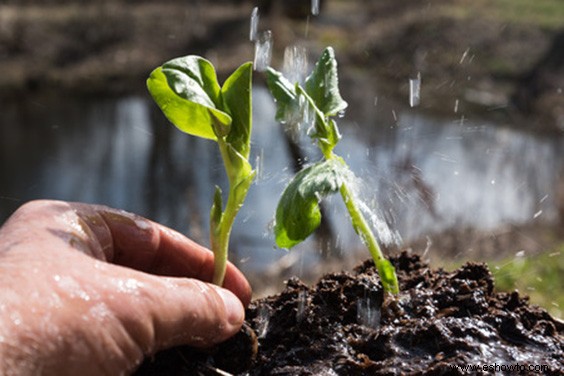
(343,325)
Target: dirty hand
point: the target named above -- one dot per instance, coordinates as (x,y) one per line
(91,290)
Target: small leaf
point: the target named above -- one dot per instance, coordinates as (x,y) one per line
(332,136)
(241,189)
(237,97)
(324,129)
(187,92)
(322,85)
(298,214)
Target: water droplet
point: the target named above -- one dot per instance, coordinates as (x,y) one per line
(302,303)
(464,55)
(367,314)
(543,199)
(259,166)
(263,50)
(415,91)
(537,214)
(295,63)
(456,106)
(263,320)
(315,7)
(254,24)
(520,254)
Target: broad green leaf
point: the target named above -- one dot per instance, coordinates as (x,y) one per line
(237,97)
(322,85)
(284,93)
(298,213)
(194,73)
(189,98)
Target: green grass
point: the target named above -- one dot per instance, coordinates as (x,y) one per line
(541,277)
(548,14)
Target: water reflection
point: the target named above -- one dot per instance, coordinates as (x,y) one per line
(425,174)
(431,174)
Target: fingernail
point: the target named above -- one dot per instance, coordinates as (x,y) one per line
(233,307)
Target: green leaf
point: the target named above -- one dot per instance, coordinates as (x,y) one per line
(298,213)
(322,85)
(187,92)
(237,97)
(284,93)
(324,129)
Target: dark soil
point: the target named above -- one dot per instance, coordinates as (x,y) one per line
(344,326)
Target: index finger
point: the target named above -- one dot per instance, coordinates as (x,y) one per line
(141,244)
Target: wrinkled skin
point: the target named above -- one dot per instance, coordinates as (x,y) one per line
(90,290)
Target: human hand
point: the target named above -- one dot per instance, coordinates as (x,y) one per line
(90,290)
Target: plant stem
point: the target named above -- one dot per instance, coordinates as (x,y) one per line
(220,233)
(220,237)
(360,225)
(362,228)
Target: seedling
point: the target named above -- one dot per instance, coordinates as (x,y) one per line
(187,91)
(298,213)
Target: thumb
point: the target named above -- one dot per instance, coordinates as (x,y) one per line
(169,312)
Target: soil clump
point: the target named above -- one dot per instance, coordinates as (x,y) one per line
(441,322)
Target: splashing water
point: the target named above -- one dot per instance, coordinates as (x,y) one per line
(464,56)
(263,321)
(259,165)
(295,63)
(367,314)
(302,302)
(263,50)
(315,7)
(254,24)
(382,230)
(415,91)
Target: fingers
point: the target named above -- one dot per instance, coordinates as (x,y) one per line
(144,245)
(178,311)
(121,238)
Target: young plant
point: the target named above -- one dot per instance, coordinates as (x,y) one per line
(298,213)
(187,91)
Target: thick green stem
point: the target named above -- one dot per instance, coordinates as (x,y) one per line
(221,230)
(360,225)
(220,237)
(362,228)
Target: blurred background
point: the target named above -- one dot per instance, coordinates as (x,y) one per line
(455,125)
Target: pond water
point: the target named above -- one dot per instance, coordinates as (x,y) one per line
(425,174)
